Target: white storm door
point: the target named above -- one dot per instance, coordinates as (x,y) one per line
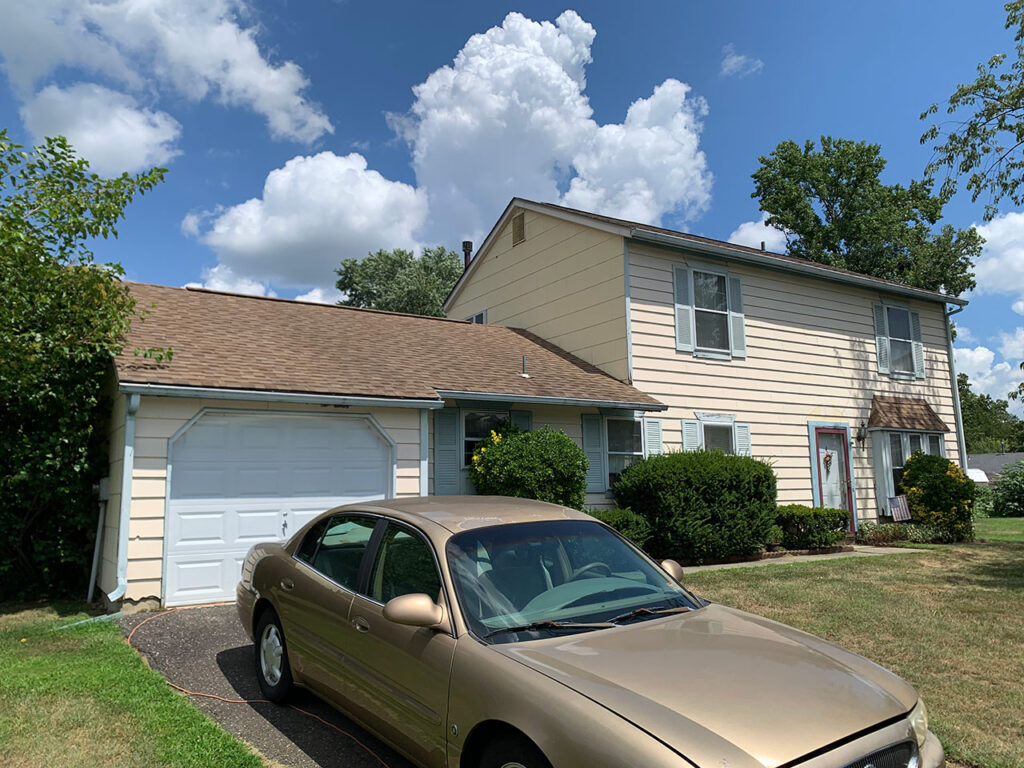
(238,479)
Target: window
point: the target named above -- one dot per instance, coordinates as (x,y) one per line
(477,426)
(719,437)
(307,549)
(480,318)
(341,551)
(405,566)
(625,446)
(708,312)
(903,445)
(716,432)
(898,344)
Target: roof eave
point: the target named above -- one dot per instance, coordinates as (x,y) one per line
(502,397)
(273,396)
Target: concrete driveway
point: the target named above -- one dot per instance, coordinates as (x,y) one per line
(205,650)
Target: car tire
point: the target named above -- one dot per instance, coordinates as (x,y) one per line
(273,672)
(512,751)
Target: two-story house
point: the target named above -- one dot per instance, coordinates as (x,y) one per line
(834,377)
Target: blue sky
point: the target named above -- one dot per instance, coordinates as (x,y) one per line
(300,133)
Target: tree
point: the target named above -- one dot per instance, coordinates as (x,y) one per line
(988,426)
(984,139)
(62,319)
(399,282)
(835,210)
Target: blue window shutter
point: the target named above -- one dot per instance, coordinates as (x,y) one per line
(447,472)
(652,436)
(737,330)
(691,435)
(683,308)
(917,345)
(881,338)
(521,419)
(741,436)
(593,449)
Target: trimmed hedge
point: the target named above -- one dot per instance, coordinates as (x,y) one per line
(544,464)
(1008,492)
(701,505)
(627,522)
(939,494)
(887,533)
(811,527)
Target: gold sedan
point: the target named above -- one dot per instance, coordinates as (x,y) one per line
(476,632)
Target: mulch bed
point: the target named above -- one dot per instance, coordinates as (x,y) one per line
(773,555)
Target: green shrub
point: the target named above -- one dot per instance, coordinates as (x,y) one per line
(545,465)
(889,533)
(701,505)
(982,501)
(811,527)
(1008,492)
(627,522)
(939,494)
(775,536)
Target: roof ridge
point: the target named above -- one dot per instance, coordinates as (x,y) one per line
(199,289)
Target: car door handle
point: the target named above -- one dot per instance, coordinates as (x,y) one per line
(287,584)
(361,624)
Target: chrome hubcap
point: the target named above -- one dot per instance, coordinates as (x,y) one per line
(271,654)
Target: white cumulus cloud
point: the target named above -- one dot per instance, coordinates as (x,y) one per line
(1011,345)
(989,377)
(1001,266)
(314,211)
(197,48)
(222,278)
(753,233)
(1018,307)
(509,117)
(107,128)
(737,64)
(321,296)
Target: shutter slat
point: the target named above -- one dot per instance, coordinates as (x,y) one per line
(741,434)
(521,419)
(736,323)
(683,308)
(593,449)
(447,471)
(917,344)
(691,435)
(881,338)
(652,436)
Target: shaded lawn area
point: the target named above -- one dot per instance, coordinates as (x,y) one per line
(949,620)
(1000,528)
(83,697)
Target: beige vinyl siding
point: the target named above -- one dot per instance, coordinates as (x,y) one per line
(810,357)
(565,283)
(158,419)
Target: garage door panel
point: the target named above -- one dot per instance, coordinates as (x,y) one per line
(240,479)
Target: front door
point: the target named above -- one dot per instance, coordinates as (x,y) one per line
(833,457)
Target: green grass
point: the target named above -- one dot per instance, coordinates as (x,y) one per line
(949,620)
(83,697)
(1000,528)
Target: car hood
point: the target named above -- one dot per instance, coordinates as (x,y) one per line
(723,687)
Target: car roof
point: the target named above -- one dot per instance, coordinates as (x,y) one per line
(463,513)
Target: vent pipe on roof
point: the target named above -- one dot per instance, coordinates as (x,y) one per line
(467,252)
(762,245)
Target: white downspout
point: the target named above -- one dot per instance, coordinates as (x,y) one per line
(424,454)
(127,466)
(960,439)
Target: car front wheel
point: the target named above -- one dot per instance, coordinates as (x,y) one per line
(512,752)
(272,670)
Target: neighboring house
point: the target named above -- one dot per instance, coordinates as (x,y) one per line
(990,465)
(834,377)
(272,411)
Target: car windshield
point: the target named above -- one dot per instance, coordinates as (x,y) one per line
(560,573)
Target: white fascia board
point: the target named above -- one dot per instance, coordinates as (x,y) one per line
(449,394)
(216,393)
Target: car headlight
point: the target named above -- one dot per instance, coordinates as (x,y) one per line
(919,722)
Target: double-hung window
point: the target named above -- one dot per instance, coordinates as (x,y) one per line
(612,443)
(709,312)
(898,344)
(716,432)
(476,426)
(625,446)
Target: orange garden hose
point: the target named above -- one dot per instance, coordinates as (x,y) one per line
(247,701)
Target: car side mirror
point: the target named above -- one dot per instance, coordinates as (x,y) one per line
(673,569)
(415,610)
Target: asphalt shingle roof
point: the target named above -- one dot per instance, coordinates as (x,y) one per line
(231,341)
(904,413)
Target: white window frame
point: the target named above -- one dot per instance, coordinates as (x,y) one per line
(712,352)
(718,419)
(888,335)
(886,466)
(463,413)
(608,452)
(480,318)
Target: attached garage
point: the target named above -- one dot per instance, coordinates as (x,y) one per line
(236,479)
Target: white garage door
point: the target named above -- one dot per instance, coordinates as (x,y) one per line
(239,479)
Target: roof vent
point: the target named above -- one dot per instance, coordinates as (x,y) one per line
(518,228)
(467,252)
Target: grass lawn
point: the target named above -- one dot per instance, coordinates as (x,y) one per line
(949,620)
(1000,528)
(82,697)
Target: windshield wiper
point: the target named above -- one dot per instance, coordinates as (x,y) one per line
(649,612)
(555,625)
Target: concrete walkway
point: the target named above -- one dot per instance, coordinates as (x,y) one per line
(858,551)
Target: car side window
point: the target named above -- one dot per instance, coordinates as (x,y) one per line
(307,549)
(405,565)
(342,548)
